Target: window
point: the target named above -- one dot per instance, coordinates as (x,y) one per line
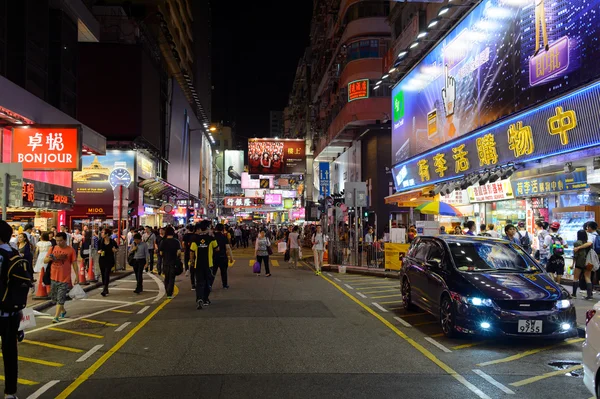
(362,49)
(491,256)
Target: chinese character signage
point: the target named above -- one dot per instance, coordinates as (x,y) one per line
(276,157)
(46,147)
(273,199)
(496,191)
(536,186)
(324,179)
(503,57)
(242,202)
(358,90)
(28,192)
(564,125)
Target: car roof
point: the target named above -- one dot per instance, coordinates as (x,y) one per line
(465,238)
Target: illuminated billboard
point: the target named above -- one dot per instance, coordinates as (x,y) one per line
(276,157)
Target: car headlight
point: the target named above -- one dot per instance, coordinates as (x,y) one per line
(563,304)
(481,302)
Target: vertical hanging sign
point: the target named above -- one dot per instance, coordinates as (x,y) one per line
(324,178)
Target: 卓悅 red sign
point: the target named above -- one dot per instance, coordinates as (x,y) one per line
(47,147)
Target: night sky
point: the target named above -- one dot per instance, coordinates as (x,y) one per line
(256,48)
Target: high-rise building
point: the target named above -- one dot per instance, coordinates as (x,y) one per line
(275,123)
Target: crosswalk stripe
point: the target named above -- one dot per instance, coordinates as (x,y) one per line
(275,262)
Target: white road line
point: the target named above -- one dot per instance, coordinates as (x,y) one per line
(434,342)
(402,321)
(89,353)
(379,307)
(122,326)
(329,274)
(142,310)
(349,286)
(129,289)
(337,279)
(43,389)
(492,381)
(360,294)
(108,301)
(161,288)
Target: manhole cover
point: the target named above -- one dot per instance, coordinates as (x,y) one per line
(566,365)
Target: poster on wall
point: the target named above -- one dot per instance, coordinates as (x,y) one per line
(234,167)
(146,167)
(99,175)
(276,157)
(504,57)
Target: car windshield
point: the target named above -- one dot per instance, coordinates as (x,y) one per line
(491,256)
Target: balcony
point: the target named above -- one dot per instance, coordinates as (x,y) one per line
(372,26)
(364,68)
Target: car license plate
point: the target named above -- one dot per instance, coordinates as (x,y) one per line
(530,326)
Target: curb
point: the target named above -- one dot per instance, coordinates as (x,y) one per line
(86,288)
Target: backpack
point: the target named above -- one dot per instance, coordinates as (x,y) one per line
(557,247)
(525,241)
(596,244)
(15,281)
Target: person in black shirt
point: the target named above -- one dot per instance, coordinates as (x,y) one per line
(170,250)
(220,256)
(159,261)
(201,254)
(187,243)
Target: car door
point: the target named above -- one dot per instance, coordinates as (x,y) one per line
(419,279)
(436,275)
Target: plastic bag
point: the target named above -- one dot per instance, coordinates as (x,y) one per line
(592,259)
(281,247)
(256,267)
(77,292)
(27,319)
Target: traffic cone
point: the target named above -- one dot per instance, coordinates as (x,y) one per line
(326,255)
(41,292)
(82,280)
(91,277)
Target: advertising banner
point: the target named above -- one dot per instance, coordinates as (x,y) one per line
(564,125)
(99,175)
(146,167)
(273,199)
(234,167)
(276,157)
(242,202)
(324,179)
(536,186)
(248,183)
(496,191)
(504,57)
(47,147)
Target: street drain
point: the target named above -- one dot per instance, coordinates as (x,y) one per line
(566,364)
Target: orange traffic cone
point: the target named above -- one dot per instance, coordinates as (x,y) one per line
(41,292)
(82,280)
(326,256)
(91,277)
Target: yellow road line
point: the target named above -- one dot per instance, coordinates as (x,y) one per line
(380,285)
(544,376)
(530,352)
(21,381)
(100,322)
(389,302)
(386,296)
(425,323)
(64,330)
(98,363)
(396,308)
(437,335)
(424,351)
(380,291)
(472,344)
(38,361)
(122,311)
(52,346)
(251,262)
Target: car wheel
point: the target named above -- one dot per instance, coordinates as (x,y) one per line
(448,317)
(406,295)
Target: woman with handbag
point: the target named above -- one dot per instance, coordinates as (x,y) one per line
(107,247)
(262,250)
(581,265)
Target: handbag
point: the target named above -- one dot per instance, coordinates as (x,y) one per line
(178,266)
(286,257)
(269,249)
(46,280)
(591,261)
(131,259)
(27,319)
(256,267)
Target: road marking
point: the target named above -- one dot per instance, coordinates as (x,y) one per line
(21,381)
(348,286)
(375,292)
(98,363)
(428,354)
(464,346)
(129,289)
(425,323)
(379,307)
(389,302)
(52,346)
(275,262)
(161,288)
(43,389)
(64,330)
(544,376)
(142,310)
(38,361)
(329,274)
(396,308)
(530,352)
(414,314)
(492,381)
(89,353)
(380,285)
(437,335)
(122,326)
(360,278)
(360,294)
(108,301)
(388,296)
(122,311)
(337,279)
(104,323)
(402,321)
(435,343)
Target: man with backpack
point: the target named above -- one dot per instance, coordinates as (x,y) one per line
(15,282)
(220,256)
(525,238)
(556,246)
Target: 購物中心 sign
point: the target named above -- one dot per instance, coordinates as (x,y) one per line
(47,147)
(564,125)
(540,185)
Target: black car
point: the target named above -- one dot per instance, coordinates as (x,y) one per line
(484,286)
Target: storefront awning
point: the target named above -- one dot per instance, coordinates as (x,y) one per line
(413,198)
(157,188)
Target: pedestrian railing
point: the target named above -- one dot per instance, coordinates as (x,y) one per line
(351,254)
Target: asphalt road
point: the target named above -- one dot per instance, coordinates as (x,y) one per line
(292,335)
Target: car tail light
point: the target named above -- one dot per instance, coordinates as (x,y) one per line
(588,316)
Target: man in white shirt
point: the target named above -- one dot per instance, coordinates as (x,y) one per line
(318,240)
(294,247)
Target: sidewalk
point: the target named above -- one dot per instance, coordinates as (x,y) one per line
(42,304)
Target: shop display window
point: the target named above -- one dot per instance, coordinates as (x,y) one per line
(570,223)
